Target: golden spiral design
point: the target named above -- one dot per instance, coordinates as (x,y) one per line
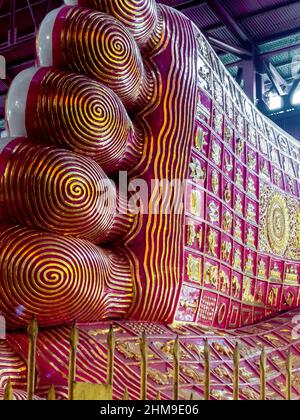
(59,279)
(76,112)
(98,45)
(278,224)
(139,16)
(60,191)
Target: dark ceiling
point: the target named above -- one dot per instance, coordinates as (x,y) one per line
(268,30)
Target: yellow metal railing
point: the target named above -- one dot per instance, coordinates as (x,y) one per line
(105,391)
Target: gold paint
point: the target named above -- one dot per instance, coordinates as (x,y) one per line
(111,342)
(206,371)
(196,202)
(74,338)
(212,242)
(144,365)
(263,363)
(194,268)
(32,337)
(84,391)
(289,377)
(8,392)
(51,394)
(176,356)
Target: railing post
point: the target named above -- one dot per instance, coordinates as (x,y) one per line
(32,339)
(144,366)
(263,363)
(236,373)
(206,371)
(8,392)
(126,396)
(111,341)
(74,338)
(289,377)
(176,355)
(51,394)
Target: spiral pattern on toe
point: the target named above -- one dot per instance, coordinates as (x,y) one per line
(76,112)
(62,192)
(98,45)
(59,279)
(139,16)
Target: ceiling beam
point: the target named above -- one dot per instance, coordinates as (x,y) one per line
(189,4)
(268,9)
(219,8)
(229,48)
(279,83)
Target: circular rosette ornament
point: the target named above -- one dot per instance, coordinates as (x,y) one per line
(278,224)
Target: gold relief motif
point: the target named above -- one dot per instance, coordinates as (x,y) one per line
(227,193)
(221,395)
(197,173)
(291,184)
(224,282)
(291,275)
(200,141)
(228,134)
(216,153)
(213,214)
(218,122)
(211,275)
(263,170)
(259,295)
(289,298)
(222,349)
(277,176)
(251,160)
(279,224)
(212,242)
(215,182)
(131,350)
(226,249)
(167,349)
(227,221)
(239,177)
(251,189)
(246,374)
(160,378)
(239,147)
(235,287)
(228,164)
(273,296)
(191,234)
(247,293)
(238,230)
(251,213)
(237,260)
(194,267)
(196,203)
(222,372)
(249,266)
(192,373)
(275,273)
(238,205)
(262,269)
(250,237)
(198,350)
(250,394)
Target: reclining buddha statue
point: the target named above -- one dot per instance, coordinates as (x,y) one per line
(141,189)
